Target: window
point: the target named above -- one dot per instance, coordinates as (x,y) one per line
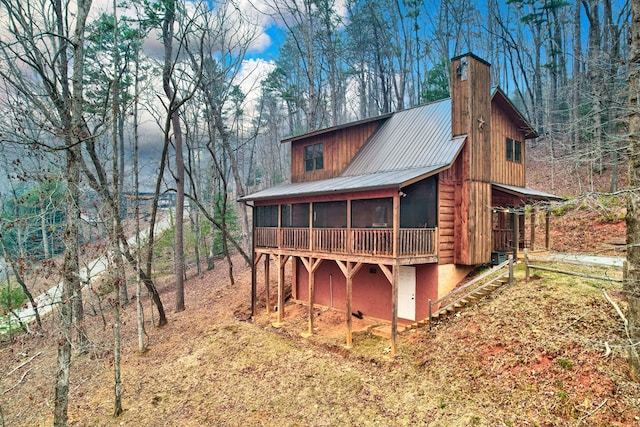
(514,150)
(313,157)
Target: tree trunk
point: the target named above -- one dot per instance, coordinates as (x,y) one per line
(167,39)
(136,184)
(632,283)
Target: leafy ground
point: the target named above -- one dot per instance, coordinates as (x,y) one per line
(534,354)
(531,354)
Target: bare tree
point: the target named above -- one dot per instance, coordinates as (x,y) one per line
(632,283)
(42,40)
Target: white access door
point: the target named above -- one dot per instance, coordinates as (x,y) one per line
(407,293)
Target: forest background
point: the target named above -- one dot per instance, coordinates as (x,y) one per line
(114,110)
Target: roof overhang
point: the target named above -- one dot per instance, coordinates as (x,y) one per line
(502,100)
(527,194)
(347,184)
(336,128)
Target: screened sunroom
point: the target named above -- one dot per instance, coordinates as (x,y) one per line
(386,223)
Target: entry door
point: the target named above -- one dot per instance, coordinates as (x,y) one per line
(407,293)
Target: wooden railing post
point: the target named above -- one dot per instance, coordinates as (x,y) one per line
(526,265)
(510,269)
(429,313)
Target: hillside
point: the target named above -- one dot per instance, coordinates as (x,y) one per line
(533,354)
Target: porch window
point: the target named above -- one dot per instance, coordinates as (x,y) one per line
(295,215)
(419,204)
(372,213)
(266,216)
(514,150)
(313,157)
(330,214)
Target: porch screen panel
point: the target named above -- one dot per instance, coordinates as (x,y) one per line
(419,208)
(330,214)
(372,213)
(295,215)
(267,216)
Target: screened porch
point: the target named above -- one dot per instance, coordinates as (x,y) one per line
(362,227)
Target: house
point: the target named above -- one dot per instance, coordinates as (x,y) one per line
(383,214)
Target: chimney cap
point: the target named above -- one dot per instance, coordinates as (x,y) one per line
(469,54)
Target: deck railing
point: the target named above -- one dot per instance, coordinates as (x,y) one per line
(330,240)
(417,241)
(266,237)
(368,241)
(295,238)
(361,241)
(502,239)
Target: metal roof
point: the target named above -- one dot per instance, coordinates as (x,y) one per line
(416,137)
(344,184)
(527,192)
(411,144)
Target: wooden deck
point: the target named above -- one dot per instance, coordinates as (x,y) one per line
(378,242)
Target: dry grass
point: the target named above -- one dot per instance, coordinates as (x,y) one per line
(532,354)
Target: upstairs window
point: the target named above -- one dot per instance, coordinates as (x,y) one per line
(313,157)
(514,150)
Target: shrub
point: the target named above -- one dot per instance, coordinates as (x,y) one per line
(11,297)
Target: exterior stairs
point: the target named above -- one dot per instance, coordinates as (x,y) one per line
(467,295)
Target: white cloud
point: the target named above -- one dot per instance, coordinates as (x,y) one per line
(251,73)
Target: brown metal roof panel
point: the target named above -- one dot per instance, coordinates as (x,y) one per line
(527,192)
(410,138)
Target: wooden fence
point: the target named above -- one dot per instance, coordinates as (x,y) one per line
(579,260)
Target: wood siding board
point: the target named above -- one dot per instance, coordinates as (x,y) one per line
(339,148)
(504,171)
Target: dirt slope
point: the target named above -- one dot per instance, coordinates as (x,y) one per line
(532,354)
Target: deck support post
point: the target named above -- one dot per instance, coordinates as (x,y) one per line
(516,233)
(394,310)
(349,270)
(532,222)
(267,278)
(281,260)
(547,235)
(311,265)
(393,277)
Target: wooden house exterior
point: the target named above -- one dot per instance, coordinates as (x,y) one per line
(384,214)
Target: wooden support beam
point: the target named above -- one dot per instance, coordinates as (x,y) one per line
(267,279)
(258,257)
(254,284)
(532,222)
(281,261)
(547,234)
(393,278)
(386,272)
(311,265)
(349,270)
(516,233)
(394,309)
(396,224)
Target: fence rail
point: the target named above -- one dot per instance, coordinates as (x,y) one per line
(584,262)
